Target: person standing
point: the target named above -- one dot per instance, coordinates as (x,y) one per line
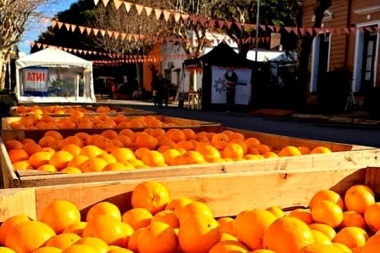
(162,90)
(231,80)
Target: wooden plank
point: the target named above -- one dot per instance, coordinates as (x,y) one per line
(9,176)
(17,201)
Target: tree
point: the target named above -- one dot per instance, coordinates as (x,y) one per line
(304,50)
(14,17)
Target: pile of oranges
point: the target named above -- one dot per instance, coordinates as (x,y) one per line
(23,110)
(153,147)
(156,224)
(79,119)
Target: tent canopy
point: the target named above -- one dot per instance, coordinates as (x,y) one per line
(52,57)
(222,56)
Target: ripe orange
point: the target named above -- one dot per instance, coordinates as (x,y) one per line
(175,205)
(289,151)
(294,235)
(327,212)
(227,237)
(103,208)
(39,158)
(13,144)
(82,248)
(145,140)
(61,159)
(22,165)
(111,230)
(32,234)
(342,247)
(351,237)
(151,195)
(353,219)
(31,148)
(47,249)
(372,245)
(302,214)
(319,248)
(321,238)
(94,242)
(133,243)
(323,228)
(91,151)
(137,217)
(123,154)
(77,161)
(63,241)
(119,250)
(157,237)
(227,225)
(170,154)
(251,225)
(372,218)
(277,211)
(229,246)
(358,198)
(168,217)
(107,157)
(60,214)
(93,165)
(18,155)
(153,158)
(56,135)
(320,150)
(326,195)
(9,223)
(47,168)
(192,209)
(198,234)
(252,142)
(76,228)
(233,150)
(72,148)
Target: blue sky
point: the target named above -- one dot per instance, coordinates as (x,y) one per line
(35,27)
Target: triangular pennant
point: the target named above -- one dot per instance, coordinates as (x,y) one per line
(88,30)
(38,45)
(122,36)
(331,31)
(117,4)
(277,28)
(262,27)
(317,30)
(295,30)
(32,44)
(70,50)
(127,6)
(81,28)
(148,10)
(346,30)
(239,25)
(220,23)
(177,17)
(202,21)
(302,31)
(158,13)
(166,15)
(288,29)
(116,35)
(105,2)
(67,27)
(96,2)
(103,32)
(96,31)
(228,24)
(271,28)
(194,20)
(110,33)
(310,31)
(136,37)
(73,27)
(211,23)
(139,8)
(53,23)
(129,37)
(185,17)
(75,50)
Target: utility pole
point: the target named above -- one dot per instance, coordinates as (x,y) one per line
(257,28)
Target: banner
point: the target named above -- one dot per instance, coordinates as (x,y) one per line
(218,85)
(35,79)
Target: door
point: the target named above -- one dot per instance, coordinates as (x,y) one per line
(323,63)
(368,62)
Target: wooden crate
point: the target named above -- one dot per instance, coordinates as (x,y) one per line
(344,156)
(226,194)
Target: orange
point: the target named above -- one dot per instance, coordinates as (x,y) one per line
(358,198)
(118,166)
(32,234)
(110,134)
(76,140)
(372,245)
(320,150)
(157,237)
(151,195)
(294,235)
(31,148)
(199,234)
(304,150)
(262,148)
(168,217)
(176,135)
(137,217)
(319,248)
(107,157)
(189,157)
(351,237)
(9,223)
(342,247)
(192,209)
(233,150)
(326,195)
(47,249)
(59,214)
(18,155)
(132,243)
(229,246)
(190,134)
(91,151)
(125,140)
(63,241)
(227,225)
(372,218)
(145,140)
(252,142)
(327,212)
(153,158)
(39,158)
(13,144)
(227,237)
(94,242)
(323,228)
(321,238)
(119,250)
(111,230)
(175,205)
(49,150)
(61,159)
(289,151)
(72,148)
(353,219)
(75,228)
(93,165)
(262,251)
(46,140)
(123,154)
(71,170)
(77,161)
(302,214)
(47,168)
(220,141)
(56,135)
(22,165)
(241,143)
(80,248)
(103,208)
(277,211)
(139,153)
(170,154)
(251,225)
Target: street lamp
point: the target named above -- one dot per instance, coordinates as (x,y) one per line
(257,28)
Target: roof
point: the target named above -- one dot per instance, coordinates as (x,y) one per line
(52,56)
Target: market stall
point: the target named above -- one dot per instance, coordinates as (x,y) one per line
(216,65)
(54,76)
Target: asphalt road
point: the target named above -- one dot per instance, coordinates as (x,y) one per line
(318,130)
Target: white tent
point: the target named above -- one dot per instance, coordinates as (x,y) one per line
(54,76)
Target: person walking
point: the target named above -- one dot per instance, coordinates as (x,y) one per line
(162,90)
(231,80)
